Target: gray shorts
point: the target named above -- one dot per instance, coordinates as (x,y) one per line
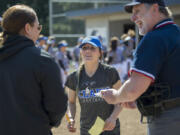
(168,123)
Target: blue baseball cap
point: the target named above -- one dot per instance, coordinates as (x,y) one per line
(80,39)
(93,40)
(43,38)
(51,40)
(62,44)
(128,7)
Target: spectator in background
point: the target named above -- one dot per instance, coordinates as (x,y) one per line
(128,44)
(62,59)
(104,48)
(115,53)
(41,43)
(69,54)
(32,99)
(132,34)
(50,46)
(76,52)
(115,56)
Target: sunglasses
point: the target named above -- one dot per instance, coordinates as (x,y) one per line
(39,27)
(85,48)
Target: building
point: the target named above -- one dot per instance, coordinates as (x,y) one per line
(112,20)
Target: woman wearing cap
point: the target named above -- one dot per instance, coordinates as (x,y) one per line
(62,60)
(89,79)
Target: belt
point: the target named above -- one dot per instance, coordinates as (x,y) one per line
(171,103)
(165,105)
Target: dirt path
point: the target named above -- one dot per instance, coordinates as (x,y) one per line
(130,124)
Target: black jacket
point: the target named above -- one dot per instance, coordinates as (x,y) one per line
(32,99)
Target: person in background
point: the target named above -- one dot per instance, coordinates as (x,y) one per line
(115,56)
(76,52)
(154,75)
(127,45)
(50,46)
(32,99)
(41,42)
(132,34)
(92,77)
(104,48)
(62,60)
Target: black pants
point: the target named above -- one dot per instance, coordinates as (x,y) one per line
(110,133)
(116,131)
(50,133)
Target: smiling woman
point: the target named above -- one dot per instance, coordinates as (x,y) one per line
(91,51)
(92,77)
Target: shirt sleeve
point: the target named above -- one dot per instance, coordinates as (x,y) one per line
(149,56)
(71,81)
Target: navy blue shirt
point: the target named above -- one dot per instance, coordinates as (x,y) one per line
(158,55)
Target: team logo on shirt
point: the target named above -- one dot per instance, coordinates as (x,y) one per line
(88,95)
(87,91)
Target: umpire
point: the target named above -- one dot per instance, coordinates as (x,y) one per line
(154,76)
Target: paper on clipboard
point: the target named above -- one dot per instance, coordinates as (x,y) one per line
(97,128)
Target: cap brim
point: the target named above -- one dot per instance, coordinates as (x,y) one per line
(128,7)
(88,42)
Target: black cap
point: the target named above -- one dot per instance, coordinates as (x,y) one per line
(128,7)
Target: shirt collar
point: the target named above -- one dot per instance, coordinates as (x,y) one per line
(163,23)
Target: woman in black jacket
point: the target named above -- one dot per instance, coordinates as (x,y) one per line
(32,99)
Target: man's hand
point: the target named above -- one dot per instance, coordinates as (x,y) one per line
(129,105)
(110,96)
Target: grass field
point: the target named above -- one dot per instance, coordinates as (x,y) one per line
(130,124)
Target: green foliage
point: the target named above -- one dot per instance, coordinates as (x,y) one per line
(40,6)
(61,25)
(64,7)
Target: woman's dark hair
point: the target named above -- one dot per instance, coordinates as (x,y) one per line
(15,18)
(114,43)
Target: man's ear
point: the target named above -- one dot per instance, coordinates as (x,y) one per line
(155,8)
(27,28)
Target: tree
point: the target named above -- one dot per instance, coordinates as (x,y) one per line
(40,6)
